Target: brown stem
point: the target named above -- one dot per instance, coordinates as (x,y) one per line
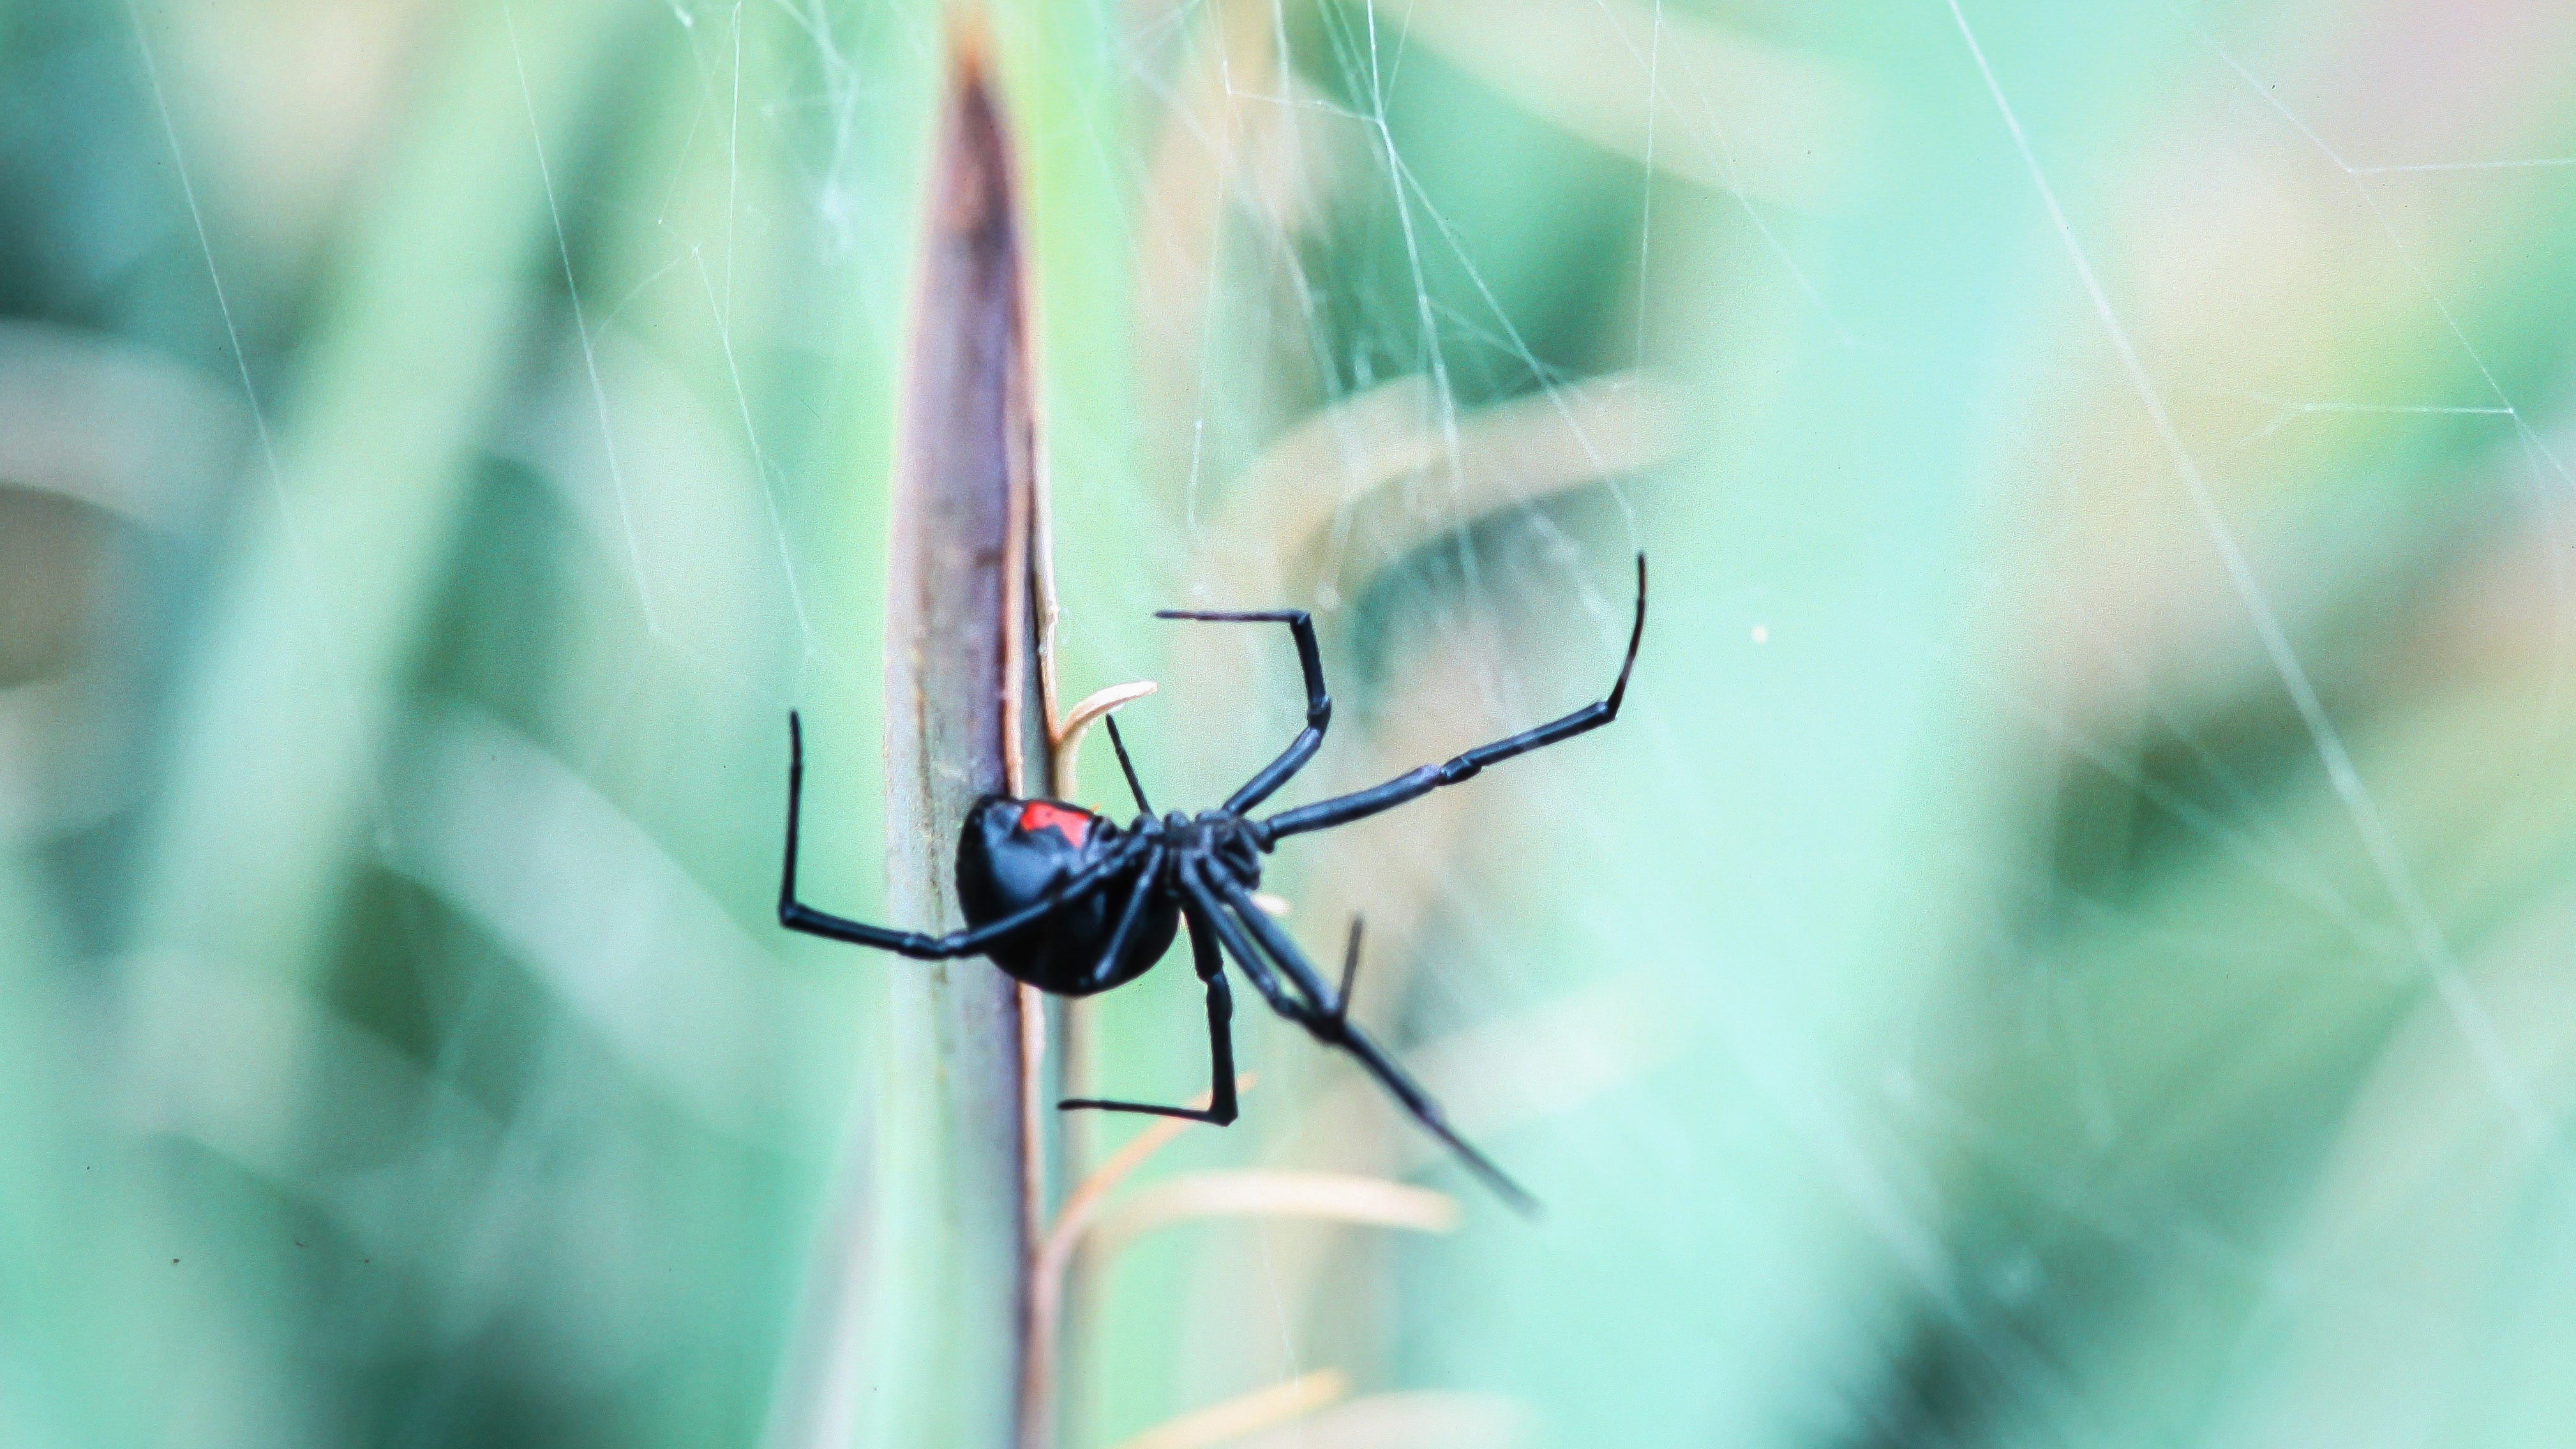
(968,599)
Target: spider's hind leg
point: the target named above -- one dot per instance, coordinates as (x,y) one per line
(1255,941)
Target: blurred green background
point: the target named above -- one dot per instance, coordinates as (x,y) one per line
(2072,942)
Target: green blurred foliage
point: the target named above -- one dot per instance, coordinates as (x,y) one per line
(2066,946)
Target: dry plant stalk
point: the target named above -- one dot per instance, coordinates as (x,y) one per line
(968,597)
(1250,1413)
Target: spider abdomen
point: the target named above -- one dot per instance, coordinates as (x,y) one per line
(1014,853)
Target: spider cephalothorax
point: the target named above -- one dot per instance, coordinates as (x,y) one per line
(1067,901)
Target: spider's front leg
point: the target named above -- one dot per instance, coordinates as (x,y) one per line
(1319,705)
(1360,804)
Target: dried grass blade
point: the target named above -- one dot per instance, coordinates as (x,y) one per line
(1065,739)
(1251,1413)
(1417,1419)
(965,1165)
(1272,1192)
(1365,457)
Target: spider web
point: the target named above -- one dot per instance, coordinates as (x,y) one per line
(2059,947)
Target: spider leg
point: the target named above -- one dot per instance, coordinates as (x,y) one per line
(1322,1009)
(1220,1017)
(1255,966)
(795,915)
(1125,765)
(1232,911)
(1343,809)
(1319,705)
(1350,970)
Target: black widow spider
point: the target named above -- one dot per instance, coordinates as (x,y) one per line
(1066,901)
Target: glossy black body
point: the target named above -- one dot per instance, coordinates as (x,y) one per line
(1012,856)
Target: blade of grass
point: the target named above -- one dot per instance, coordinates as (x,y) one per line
(1272,1192)
(1358,460)
(67,1385)
(1421,1419)
(1082,1206)
(292,694)
(1263,1408)
(965,1162)
(1065,739)
(294,686)
(1739,114)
